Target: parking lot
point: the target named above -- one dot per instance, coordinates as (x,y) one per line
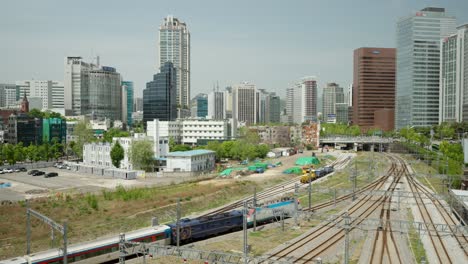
(25,186)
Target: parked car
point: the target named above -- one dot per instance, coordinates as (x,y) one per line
(51,174)
(67,167)
(22,169)
(38,173)
(16,169)
(8,170)
(31,172)
(259,170)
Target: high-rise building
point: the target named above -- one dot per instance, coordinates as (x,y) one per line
(104,98)
(128,88)
(373,84)
(9,95)
(301,101)
(76,84)
(90,89)
(418,66)
(202,106)
(454,77)
(174,46)
(50,92)
(138,104)
(333,94)
(275,109)
(159,97)
(216,105)
(54,128)
(245,103)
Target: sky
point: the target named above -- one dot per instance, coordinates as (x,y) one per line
(269,43)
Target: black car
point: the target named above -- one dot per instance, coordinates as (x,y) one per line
(31,172)
(22,169)
(38,173)
(51,174)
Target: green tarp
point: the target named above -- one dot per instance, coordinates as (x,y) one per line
(293,170)
(261,165)
(252,168)
(302,161)
(226,172)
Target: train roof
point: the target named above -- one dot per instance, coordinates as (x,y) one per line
(209,218)
(108,240)
(17,260)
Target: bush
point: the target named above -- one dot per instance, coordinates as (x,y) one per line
(92,201)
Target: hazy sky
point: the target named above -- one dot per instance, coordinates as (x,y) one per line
(269,43)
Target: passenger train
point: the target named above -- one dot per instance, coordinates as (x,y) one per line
(106,249)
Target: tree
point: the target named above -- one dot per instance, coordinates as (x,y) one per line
(44,151)
(56,149)
(142,154)
(9,153)
(18,152)
(180,147)
(114,132)
(35,113)
(117,154)
(83,134)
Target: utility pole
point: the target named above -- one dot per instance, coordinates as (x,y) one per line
(28,229)
(354,177)
(122,248)
(310,189)
(346,227)
(244,217)
(178,224)
(255,210)
(296,194)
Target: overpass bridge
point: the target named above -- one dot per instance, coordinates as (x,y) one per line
(356,143)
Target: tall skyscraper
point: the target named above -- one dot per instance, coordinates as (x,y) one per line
(216,105)
(138,104)
(275,109)
(159,97)
(373,84)
(174,46)
(301,101)
(332,95)
(128,88)
(245,103)
(418,66)
(454,77)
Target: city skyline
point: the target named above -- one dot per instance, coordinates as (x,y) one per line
(256,48)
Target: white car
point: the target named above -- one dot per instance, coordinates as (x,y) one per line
(7,170)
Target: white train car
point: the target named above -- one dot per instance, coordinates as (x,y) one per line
(96,251)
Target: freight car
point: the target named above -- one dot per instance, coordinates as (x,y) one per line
(272,211)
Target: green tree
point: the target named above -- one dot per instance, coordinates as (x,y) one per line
(83,134)
(18,151)
(180,147)
(9,153)
(35,113)
(56,150)
(44,151)
(114,132)
(117,154)
(142,154)
(32,153)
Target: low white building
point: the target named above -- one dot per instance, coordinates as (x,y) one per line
(190,161)
(97,154)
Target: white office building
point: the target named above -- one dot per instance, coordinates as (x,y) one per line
(216,105)
(245,103)
(189,131)
(418,66)
(50,92)
(454,77)
(174,46)
(8,95)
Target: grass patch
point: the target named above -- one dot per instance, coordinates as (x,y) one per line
(420,168)
(417,247)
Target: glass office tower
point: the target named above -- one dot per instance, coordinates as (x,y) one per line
(159,97)
(418,66)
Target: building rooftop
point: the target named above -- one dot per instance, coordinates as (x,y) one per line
(189,153)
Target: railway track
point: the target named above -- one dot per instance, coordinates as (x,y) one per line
(439,245)
(327,235)
(282,188)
